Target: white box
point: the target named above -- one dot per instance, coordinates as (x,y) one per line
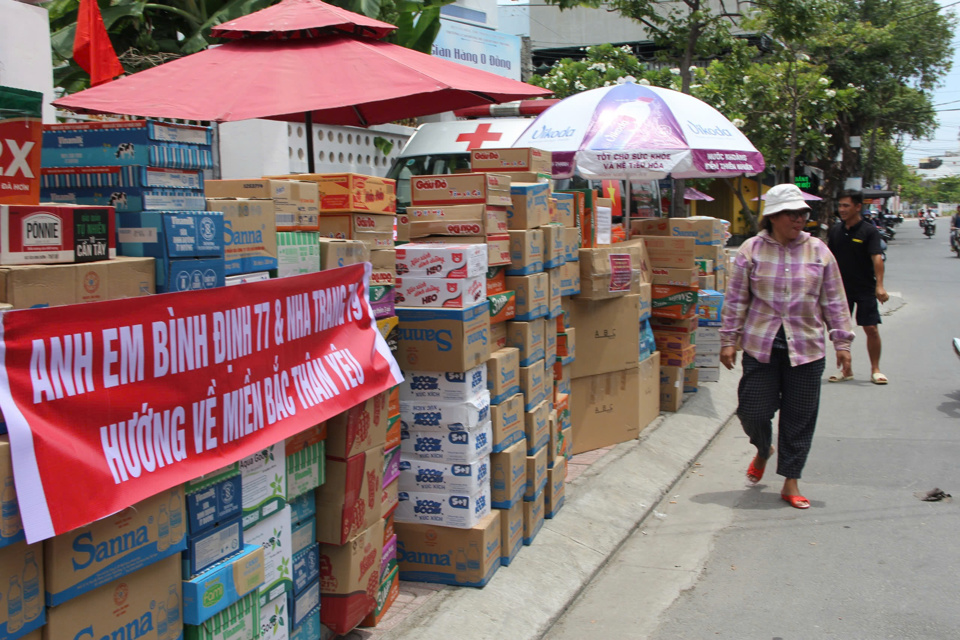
(431,415)
(444,477)
(275,619)
(449,293)
(244,278)
(263,478)
(709,374)
(711,360)
(444,386)
(442,260)
(453,446)
(708,334)
(273,534)
(457,511)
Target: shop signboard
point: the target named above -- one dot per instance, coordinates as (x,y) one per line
(479,48)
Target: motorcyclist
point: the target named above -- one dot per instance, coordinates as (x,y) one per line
(955,228)
(930,218)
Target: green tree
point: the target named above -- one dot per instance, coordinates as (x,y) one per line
(602,66)
(947,189)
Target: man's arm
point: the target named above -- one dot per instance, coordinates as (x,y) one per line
(878,271)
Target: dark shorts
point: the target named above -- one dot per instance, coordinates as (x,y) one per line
(868,310)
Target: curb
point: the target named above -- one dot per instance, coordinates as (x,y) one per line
(604,506)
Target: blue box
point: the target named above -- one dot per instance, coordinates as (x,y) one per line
(170,235)
(303,533)
(127,142)
(710,308)
(301,605)
(212,546)
(303,507)
(191,274)
(309,628)
(217,500)
(127,199)
(219,587)
(306,567)
(116,176)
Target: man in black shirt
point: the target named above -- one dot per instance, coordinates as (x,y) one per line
(856,245)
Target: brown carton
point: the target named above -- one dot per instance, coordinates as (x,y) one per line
(671,388)
(451,220)
(503,374)
(533,293)
(359,428)
(58,284)
(463,188)
(511,531)
(676,253)
(605,409)
(607,335)
(510,160)
(346,192)
(650,227)
(508,476)
(508,422)
(675,277)
(444,339)
(466,557)
(536,475)
(340,253)
(350,578)
(608,272)
(649,372)
(250,234)
(555,493)
(285,194)
(533,515)
(21,577)
(349,501)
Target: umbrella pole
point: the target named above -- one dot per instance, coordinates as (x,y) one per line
(308,125)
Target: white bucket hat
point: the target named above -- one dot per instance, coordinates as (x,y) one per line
(784,197)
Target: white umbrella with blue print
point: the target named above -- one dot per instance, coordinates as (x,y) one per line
(637,132)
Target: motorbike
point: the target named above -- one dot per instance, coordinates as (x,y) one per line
(955,241)
(887,233)
(929,227)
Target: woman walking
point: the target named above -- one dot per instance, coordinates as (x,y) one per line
(784,297)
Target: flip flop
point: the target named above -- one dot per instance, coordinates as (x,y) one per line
(879,378)
(797,502)
(754,473)
(839,377)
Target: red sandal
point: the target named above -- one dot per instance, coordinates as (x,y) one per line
(797,502)
(755,473)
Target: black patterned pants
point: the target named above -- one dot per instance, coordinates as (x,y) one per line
(795,392)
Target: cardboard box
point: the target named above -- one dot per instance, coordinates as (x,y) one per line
(281,192)
(554,252)
(306,567)
(691,380)
(536,475)
(571,244)
(532,295)
(434,415)
(245,278)
(566,210)
(608,272)
(671,301)
(21,574)
(212,545)
(306,461)
(452,220)
(562,377)
(443,477)
(387,594)
(349,501)
(448,293)
(537,427)
(704,267)
(304,533)
(359,428)
(147,532)
(555,495)
(441,260)
(50,234)
(687,326)
(503,306)
(264,483)
(443,339)
(671,388)
(126,199)
(554,293)
(511,159)
(384,263)
(533,515)
(709,374)
(607,334)
(670,252)
(530,206)
(464,557)
(391,496)
(526,252)
(298,252)
(498,335)
(11,530)
(649,373)
(708,338)
(346,192)
(707,282)
(605,409)
(373,230)
(273,534)
(464,188)
(21,128)
(443,386)
(309,629)
(676,277)
(340,253)
(454,446)
(650,227)
(702,229)
(249,235)
(507,422)
(141,605)
(275,619)
(570,279)
(533,385)
(127,142)
(223,585)
(710,308)
(646,301)
(498,250)
(709,360)
(240,620)
(511,532)
(496,280)
(567,344)
(682,358)
(457,510)
(391,463)
(382,301)
(508,476)
(503,375)
(674,341)
(529,339)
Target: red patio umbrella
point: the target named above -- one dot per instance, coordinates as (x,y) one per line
(301,19)
(311,77)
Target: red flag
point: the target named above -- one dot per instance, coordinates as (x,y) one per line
(91,46)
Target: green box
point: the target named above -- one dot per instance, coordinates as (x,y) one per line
(239,620)
(306,469)
(298,252)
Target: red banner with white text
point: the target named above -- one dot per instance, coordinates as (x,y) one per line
(112,402)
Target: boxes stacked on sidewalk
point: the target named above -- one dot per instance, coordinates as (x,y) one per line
(151,173)
(709,306)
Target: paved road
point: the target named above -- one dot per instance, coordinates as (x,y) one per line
(868,560)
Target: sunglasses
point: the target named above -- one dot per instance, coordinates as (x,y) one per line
(797,215)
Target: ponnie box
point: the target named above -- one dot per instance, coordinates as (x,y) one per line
(145,605)
(143,534)
(349,579)
(532,295)
(443,339)
(537,427)
(509,159)
(298,252)
(511,532)
(438,260)
(448,293)
(464,557)
(555,494)
(526,252)
(503,374)
(605,409)
(464,188)
(507,422)
(45,234)
(508,476)
(434,415)
(223,585)
(21,574)
(359,428)
(273,534)
(54,285)
(418,476)
(264,479)
(250,235)
(444,386)
(528,337)
(350,499)
(533,515)
(454,446)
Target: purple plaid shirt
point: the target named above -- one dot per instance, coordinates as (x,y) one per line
(797,286)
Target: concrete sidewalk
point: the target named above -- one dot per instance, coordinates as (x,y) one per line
(603,507)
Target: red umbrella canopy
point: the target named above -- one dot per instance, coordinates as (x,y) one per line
(340,80)
(292,19)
